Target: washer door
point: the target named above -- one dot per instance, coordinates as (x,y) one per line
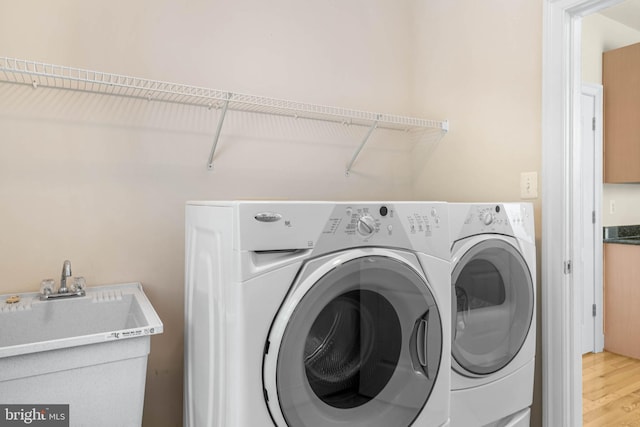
(359,344)
(493,306)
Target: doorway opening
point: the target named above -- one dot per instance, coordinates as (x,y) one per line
(562,301)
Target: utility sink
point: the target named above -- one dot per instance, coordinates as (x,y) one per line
(89,352)
(105,313)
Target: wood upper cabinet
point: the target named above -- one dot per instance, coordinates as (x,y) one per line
(621,81)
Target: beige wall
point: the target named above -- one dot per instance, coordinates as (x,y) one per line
(600,34)
(479,65)
(103,181)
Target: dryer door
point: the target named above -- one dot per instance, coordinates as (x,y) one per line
(358,342)
(493,305)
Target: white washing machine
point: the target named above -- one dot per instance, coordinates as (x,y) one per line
(493,262)
(317,314)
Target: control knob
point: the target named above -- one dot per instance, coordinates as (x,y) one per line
(366,225)
(487,218)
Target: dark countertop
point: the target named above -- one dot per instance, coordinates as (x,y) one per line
(622,234)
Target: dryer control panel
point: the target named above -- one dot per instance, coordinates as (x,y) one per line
(511,219)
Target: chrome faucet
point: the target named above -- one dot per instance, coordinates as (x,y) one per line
(47,287)
(66,272)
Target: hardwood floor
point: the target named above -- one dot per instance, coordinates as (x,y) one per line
(610,390)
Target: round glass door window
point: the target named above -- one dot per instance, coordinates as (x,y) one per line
(362,347)
(352,349)
(493,307)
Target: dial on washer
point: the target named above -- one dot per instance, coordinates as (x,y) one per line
(366,225)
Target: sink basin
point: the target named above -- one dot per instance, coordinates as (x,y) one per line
(105,313)
(87,352)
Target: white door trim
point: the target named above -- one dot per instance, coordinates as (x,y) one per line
(560,305)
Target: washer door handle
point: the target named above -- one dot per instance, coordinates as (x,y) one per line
(421,341)
(425,345)
(420,347)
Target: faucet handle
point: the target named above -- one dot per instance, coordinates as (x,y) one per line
(78,284)
(47,286)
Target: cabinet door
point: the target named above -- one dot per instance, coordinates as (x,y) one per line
(621,81)
(622,299)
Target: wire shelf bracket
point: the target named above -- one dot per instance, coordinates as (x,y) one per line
(40,74)
(360,147)
(218,130)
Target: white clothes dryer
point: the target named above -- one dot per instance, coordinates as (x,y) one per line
(317,314)
(493,262)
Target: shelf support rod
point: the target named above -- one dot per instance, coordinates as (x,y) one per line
(218,129)
(362,144)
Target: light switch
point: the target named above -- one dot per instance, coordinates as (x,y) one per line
(529,185)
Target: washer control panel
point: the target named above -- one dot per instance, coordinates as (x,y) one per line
(369,221)
(417,225)
(327,226)
(362,221)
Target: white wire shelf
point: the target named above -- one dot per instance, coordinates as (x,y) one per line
(40,74)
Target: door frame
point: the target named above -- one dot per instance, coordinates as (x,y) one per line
(560,305)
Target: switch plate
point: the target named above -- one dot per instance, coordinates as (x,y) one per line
(529,185)
(612,206)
